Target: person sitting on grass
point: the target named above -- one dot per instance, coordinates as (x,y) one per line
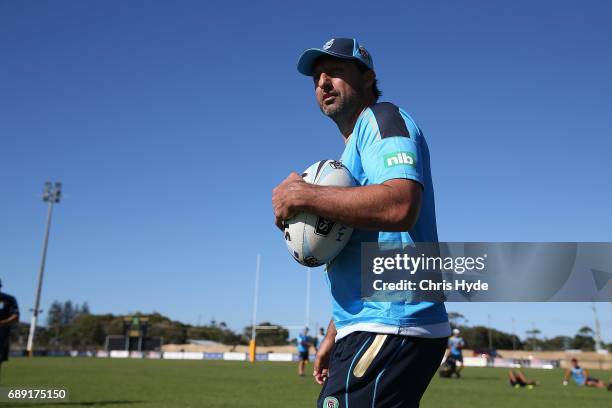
(517,379)
(581,377)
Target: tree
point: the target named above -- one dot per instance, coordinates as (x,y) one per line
(54,315)
(218,333)
(456,318)
(67,313)
(85,309)
(85,331)
(20,332)
(557,343)
(173,333)
(113,325)
(55,320)
(584,340)
(477,337)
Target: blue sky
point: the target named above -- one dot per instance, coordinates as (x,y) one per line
(169,123)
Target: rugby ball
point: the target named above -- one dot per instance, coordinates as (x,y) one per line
(313,240)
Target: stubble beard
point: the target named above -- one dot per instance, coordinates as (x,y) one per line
(344,109)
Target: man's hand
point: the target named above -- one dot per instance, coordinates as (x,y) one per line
(321,363)
(287,196)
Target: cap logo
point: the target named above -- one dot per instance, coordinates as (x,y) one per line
(328,44)
(364,53)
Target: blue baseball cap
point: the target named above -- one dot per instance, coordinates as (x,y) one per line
(345,48)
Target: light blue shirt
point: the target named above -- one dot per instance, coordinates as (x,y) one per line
(578,375)
(302,341)
(455,343)
(385,144)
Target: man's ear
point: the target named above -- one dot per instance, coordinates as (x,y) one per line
(368,78)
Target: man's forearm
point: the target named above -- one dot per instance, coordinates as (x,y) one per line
(379,207)
(9,320)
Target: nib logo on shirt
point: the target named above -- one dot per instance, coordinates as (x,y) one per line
(399,159)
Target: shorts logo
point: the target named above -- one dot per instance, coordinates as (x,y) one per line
(328,44)
(331,402)
(399,158)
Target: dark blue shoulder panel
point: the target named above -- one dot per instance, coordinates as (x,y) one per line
(389,119)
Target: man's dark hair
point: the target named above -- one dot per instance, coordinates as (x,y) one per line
(377,93)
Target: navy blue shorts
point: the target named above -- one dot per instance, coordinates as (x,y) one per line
(303,356)
(380,371)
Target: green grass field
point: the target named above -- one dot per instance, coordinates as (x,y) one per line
(168,383)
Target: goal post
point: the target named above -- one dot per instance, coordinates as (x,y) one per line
(255,329)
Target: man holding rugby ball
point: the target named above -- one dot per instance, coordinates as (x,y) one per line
(375,354)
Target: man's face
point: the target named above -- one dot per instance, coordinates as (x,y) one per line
(339,86)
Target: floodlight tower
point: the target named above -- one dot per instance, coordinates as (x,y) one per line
(597,328)
(51,195)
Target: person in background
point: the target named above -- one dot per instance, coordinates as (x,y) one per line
(320,338)
(517,379)
(454,351)
(581,377)
(9,316)
(302,347)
